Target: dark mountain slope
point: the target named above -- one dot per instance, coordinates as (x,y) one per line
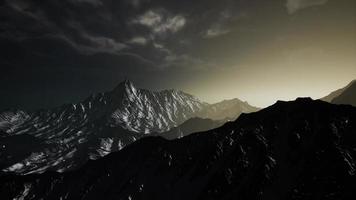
(10,153)
(348,96)
(190,126)
(292,150)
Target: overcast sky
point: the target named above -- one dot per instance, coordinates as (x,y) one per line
(61,51)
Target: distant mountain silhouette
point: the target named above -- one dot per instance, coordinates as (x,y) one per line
(226,110)
(348,96)
(301,150)
(69,135)
(337,93)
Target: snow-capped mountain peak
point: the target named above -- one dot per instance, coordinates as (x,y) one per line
(126,86)
(66,136)
(147,111)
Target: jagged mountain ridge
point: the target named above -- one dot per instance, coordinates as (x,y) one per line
(67,136)
(292,150)
(226,110)
(137,110)
(71,134)
(144,111)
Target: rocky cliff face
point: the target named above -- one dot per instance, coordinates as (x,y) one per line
(292,150)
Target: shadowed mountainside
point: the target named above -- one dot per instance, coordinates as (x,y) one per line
(190,126)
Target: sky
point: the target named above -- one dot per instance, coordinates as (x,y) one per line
(61,51)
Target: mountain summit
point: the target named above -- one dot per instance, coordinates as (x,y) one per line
(145,111)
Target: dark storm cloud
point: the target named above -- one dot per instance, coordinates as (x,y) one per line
(72,46)
(88,46)
(96,43)
(114,27)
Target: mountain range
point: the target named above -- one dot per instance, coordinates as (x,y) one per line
(302,149)
(66,137)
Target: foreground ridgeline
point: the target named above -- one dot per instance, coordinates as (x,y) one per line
(66,137)
(303,149)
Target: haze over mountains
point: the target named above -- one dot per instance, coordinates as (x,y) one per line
(292,150)
(66,137)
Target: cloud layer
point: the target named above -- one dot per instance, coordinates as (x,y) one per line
(159,23)
(294,5)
